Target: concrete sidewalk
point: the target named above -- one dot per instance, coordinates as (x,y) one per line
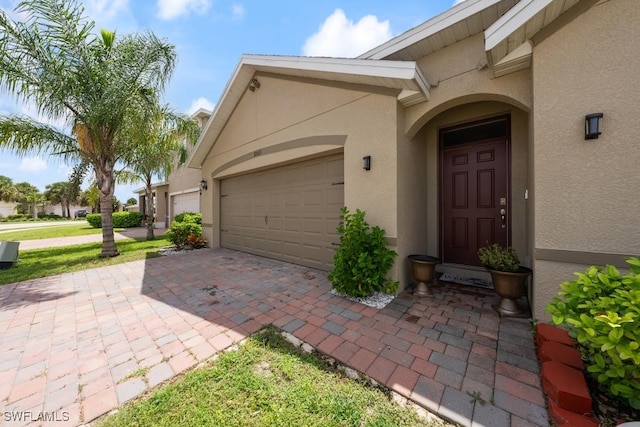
(90,238)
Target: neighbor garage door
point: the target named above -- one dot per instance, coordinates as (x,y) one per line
(288,213)
(188,202)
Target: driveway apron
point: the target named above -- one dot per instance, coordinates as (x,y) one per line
(77,345)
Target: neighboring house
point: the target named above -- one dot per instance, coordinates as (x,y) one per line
(474,124)
(181,192)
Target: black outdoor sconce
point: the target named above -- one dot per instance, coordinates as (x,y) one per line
(203,186)
(366,160)
(592,125)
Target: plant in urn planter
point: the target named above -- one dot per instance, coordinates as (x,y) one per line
(508,277)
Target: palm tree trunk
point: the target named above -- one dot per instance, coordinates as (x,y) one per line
(105,181)
(148,211)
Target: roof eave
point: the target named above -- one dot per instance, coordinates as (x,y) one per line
(457,13)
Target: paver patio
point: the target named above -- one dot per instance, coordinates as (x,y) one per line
(71,342)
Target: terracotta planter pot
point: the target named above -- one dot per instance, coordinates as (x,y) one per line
(422,268)
(510,286)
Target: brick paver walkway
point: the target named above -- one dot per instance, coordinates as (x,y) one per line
(70,342)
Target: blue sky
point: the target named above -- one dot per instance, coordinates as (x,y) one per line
(211,35)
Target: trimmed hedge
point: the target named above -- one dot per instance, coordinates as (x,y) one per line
(188,217)
(120,219)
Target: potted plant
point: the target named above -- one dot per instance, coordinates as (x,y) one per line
(508,277)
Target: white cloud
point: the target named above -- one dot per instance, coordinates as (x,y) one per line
(33,164)
(238,11)
(200,103)
(106,9)
(113,15)
(458,2)
(340,37)
(171,9)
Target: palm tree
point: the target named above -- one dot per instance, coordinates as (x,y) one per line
(93,83)
(58,193)
(8,191)
(161,137)
(29,197)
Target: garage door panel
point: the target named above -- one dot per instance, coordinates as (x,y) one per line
(301,204)
(188,202)
(313,226)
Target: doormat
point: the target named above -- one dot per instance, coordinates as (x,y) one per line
(470,281)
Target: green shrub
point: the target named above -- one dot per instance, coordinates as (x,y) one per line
(601,310)
(127,219)
(18,217)
(120,219)
(189,217)
(94,220)
(179,233)
(499,258)
(363,259)
(50,216)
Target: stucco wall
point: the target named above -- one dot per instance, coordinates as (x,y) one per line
(459,75)
(287,120)
(586,191)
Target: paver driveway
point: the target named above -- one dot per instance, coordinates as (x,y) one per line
(71,342)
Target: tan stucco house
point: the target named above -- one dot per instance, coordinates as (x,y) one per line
(181,190)
(474,124)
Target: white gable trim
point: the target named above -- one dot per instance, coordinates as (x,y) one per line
(458,13)
(511,21)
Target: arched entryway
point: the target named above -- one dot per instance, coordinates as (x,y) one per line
(472,188)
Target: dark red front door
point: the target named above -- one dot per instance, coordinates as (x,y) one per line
(474,200)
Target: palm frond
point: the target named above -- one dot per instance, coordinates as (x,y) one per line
(23,135)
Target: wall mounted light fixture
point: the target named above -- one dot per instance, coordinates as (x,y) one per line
(254,84)
(366,160)
(592,125)
(203,186)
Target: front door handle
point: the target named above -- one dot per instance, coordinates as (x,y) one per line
(503,217)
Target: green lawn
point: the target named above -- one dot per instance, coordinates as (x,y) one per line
(266,382)
(79,228)
(36,263)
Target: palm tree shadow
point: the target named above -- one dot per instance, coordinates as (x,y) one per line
(24,295)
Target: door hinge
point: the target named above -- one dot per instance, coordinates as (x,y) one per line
(338,183)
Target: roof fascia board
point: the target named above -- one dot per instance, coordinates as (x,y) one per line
(366,67)
(456,14)
(508,23)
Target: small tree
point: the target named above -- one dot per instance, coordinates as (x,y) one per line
(363,259)
(161,137)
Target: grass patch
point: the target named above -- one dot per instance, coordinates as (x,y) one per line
(140,372)
(266,382)
(36,263)
(80,228)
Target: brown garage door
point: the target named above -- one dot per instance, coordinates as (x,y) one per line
(288,213)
